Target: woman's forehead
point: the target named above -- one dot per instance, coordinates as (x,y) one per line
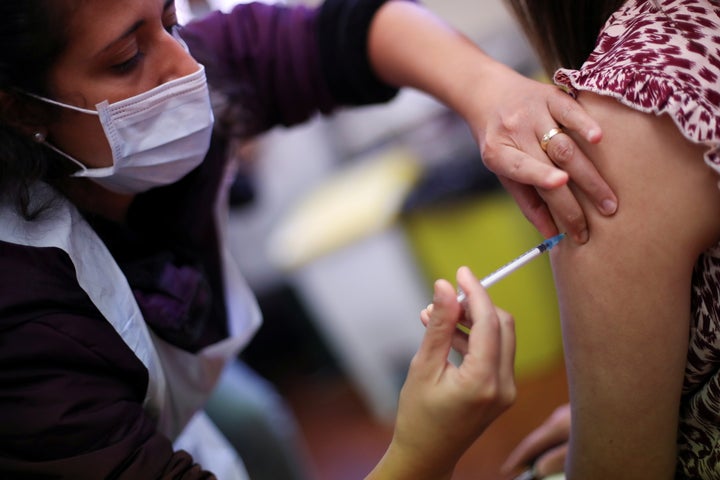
(95,21)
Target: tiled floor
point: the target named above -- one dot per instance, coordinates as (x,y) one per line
(345,442)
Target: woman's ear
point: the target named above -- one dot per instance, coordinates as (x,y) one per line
(17,113)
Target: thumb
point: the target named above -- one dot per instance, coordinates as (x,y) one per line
(444,313)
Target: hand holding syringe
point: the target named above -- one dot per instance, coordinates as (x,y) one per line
(508,268)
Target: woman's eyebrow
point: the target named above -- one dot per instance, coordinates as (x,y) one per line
(133,28)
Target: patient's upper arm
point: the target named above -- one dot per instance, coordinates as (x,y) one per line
(625,295)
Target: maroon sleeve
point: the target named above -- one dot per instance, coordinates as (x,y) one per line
(264,60)
(343,39)
(275,64)
(71,391)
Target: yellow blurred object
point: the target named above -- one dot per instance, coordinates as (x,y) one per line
(484,233)
(355,203)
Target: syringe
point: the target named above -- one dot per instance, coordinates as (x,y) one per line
(510,267)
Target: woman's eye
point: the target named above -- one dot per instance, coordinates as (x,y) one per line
(128,65)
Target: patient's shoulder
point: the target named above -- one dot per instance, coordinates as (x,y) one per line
(661,58)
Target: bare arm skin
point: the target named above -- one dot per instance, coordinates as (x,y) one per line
(625,295)
(507,113)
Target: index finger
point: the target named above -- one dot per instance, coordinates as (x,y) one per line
(532,206)
(552,432)
(484,340)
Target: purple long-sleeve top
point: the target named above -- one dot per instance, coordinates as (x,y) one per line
(71,391)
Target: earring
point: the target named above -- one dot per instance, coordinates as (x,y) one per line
(39,137)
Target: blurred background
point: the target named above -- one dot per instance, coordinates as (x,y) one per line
(340,226)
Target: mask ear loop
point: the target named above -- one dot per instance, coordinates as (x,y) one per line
(40,138)
(60,104)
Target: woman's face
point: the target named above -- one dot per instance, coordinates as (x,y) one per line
(116,49)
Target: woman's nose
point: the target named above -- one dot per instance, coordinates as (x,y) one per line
(176,61)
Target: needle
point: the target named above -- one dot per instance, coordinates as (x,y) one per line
(508,268)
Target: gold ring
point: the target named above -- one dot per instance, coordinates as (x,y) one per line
(548,136)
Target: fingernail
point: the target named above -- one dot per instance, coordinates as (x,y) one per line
(594,134)
(557,178)
(437,295)
(608,206)
(463,270)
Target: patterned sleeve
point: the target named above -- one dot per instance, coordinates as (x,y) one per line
(660,58)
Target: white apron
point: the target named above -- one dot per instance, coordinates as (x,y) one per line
(179,382)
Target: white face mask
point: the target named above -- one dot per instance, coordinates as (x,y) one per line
(156,137)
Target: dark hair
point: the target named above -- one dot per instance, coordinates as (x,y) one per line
(563,31)
(33,33)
